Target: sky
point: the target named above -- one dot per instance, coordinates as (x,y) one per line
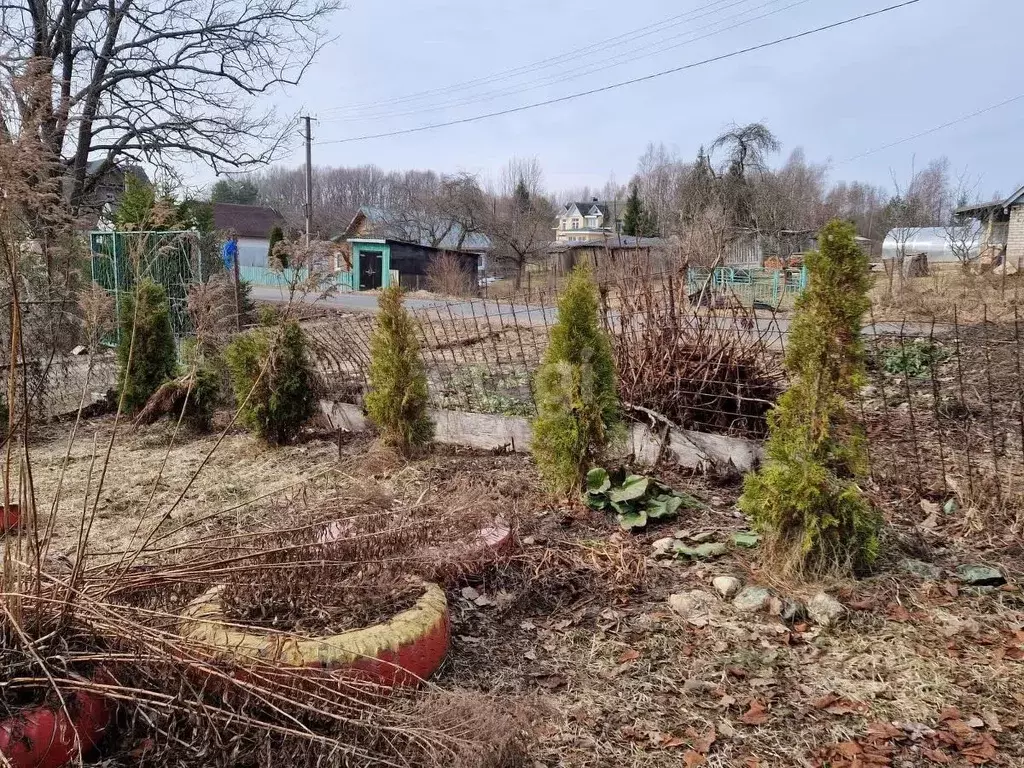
(838,94)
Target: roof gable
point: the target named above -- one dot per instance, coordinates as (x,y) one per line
(246,220)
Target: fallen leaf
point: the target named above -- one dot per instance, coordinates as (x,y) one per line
(848,749)
(936,756)
(692,759)
(726,729)
(975,722)
(551,682)
(726,701)
(825,701)
(755,715)
(949,713)
(992,721)
(951,588)
(631,655)
(897,612)
(669,742)
(703,742)
(751,762)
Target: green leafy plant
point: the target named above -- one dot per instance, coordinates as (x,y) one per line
(915,359)
(577,404)
(273,364)
(635,499)
(805,500)
(397,399)
(151,349)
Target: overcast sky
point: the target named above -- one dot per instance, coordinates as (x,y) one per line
(837,94)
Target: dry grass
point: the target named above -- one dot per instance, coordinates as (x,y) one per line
(933,297)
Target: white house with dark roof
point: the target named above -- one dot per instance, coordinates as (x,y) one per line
(252,225)
(1002,227)
(586,222)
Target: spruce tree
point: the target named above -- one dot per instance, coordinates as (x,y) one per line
(632,218)
(805,499)
(577,402)
(397,399)
(637,220)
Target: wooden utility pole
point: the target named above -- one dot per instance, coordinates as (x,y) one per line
(309,179)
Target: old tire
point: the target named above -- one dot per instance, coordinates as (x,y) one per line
(402,651)
(44,736)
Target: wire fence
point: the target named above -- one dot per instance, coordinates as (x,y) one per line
(943,410)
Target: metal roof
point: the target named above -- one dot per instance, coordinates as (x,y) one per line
(1012,200)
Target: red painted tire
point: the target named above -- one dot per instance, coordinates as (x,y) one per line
(402,651)
(10,518)
(44,737)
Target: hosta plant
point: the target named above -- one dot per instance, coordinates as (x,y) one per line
(634,499)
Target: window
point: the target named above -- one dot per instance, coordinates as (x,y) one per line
(575,223)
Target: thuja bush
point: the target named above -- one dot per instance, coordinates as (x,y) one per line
(397,398)
(148,357)
(273,380)
(577,402)
(805,500)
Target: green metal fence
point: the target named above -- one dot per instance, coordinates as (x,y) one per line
(753,286)
(170,259)
(283,278)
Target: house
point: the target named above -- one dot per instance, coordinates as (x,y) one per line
(252,225)
(382,247)
(653,253)
(1002,228)
(103,196)
(587,222)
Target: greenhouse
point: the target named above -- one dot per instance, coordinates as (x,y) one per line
(933,241)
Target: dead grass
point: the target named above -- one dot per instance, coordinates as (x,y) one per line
(934,297)
(573,657)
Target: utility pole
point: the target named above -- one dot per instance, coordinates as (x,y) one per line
(309,179)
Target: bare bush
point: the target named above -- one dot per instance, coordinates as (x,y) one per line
(694,370)
(447,275)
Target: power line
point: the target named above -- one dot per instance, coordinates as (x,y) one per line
(548,62)
(932,130)
(623,83)
(554,79)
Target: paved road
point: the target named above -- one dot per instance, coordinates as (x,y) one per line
(367,302)
(525,314)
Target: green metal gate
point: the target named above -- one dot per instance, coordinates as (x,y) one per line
(170,259)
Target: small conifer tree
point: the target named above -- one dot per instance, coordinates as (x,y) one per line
(805,499)
(397,397)
(273,380)
(577,401)
(154,356)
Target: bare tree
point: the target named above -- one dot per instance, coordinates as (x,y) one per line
(154,81)
(963,234)
(520,219)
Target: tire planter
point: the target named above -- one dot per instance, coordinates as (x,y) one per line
(44,736)
(10,518)
(402,651)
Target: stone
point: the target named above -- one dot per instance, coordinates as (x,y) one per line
(825,610)
(726,586)
(752,599)
(980,575)
(694,606)
(790,611)
(921,569)
(470,594)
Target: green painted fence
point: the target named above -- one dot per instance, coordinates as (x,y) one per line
(753,286)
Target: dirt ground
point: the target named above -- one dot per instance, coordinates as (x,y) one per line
(576,628)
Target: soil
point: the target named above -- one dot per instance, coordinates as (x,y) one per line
(347,609)
(576,627)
